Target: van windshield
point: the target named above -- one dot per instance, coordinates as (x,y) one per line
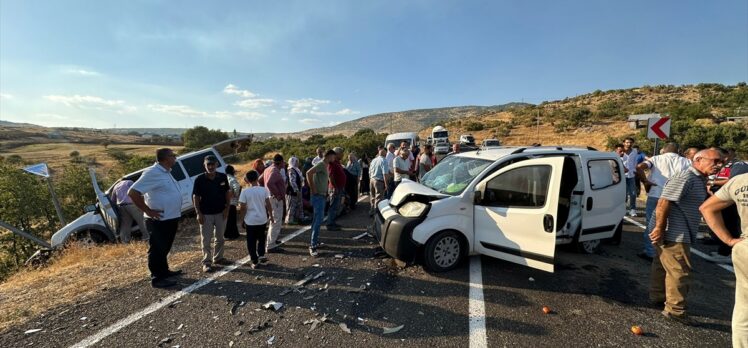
(396,142)
(453,174)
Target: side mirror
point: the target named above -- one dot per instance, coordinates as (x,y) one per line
(90,208)
(478,197)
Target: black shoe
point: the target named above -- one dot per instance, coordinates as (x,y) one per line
(645,256)
(171,273)
(332,228)
(223,262)
(161,283)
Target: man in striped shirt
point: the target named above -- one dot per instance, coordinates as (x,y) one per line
(673,229)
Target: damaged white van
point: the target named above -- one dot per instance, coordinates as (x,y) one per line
(510,203)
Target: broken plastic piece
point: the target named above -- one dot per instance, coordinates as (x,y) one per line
(28,332)
(345,328)
(391,330)
(271,340)
(274,305)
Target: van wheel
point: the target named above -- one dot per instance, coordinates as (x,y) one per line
(88,238)
(444,252)
(588,247)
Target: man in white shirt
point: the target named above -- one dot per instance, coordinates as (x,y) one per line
(661,168)
(320,156)
(629,161)
(157,194)
(401,167)
(424,162)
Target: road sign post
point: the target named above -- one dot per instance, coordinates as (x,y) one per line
(42,170)
(658,128)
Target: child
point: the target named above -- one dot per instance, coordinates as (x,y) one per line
(255,209)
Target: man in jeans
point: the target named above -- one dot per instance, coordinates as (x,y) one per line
(318,178)
(661,168)
(277,186)
(629,162)
(378,178)
(337,186)
(733,193)
(157,194)
(211,195)
(128,212)
(674,227)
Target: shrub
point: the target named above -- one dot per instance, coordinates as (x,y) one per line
(474,126)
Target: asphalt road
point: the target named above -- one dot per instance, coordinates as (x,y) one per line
(595,300)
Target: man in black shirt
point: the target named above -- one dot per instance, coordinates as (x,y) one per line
(211,195)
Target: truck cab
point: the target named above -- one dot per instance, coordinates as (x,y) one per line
(510,203)
(440,140)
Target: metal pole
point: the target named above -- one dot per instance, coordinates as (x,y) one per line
(25,235)
(54,200)
(657,147)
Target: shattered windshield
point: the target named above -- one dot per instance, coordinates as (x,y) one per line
(453,174)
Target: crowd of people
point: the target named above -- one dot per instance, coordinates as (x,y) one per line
(681,190)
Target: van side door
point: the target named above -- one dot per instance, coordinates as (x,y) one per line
(185,188)
(515,217)
(603,205)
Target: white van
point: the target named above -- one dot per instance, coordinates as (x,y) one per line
(100,223)
(510,203)
(397,138)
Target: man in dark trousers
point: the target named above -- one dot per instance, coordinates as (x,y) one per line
(211,195)
(157,194)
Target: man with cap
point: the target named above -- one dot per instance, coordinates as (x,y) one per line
(157,194)
(277,186)
(211,195)
(337,186)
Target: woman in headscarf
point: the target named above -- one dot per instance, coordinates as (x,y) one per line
(293,193)
(232,232)
(259,167)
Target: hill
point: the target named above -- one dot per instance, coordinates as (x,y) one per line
(598,118)
(406,121)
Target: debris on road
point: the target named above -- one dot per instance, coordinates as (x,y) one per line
(531,279)
(164,341)
(339,256)
(309,278)
(235,306)
(274,305)
(362,235)
(29,332)
(637,330)
(360,289)
(238,333)
(259,327)
(547,310)
(84,318)
(391,330)
(345,328)
(271,340)
(180,326)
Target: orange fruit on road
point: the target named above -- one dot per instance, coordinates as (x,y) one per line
(546,310)
(637,330)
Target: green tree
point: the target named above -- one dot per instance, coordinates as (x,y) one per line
(200,137)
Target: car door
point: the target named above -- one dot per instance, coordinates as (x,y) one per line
(604,199)
(184,183)
(515,215)
(108,214)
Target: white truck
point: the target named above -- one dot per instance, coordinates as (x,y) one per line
(440,140)
(101,221)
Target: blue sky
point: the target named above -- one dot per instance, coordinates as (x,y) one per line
(290,65)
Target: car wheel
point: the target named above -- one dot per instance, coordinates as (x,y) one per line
(588,247)
(88,238)
(444,252)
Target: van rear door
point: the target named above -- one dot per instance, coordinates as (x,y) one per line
(108,214)
(604,202)
(516,215)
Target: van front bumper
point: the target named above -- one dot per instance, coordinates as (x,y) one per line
(395,235)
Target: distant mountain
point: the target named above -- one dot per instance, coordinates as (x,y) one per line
(14,124)
(405,121)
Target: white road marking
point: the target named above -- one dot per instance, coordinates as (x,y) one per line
(477,308)
(108,331)
(693,250)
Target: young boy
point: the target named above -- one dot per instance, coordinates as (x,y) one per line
(255,209)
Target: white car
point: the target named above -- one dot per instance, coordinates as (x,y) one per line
(100,223)
(489,143)
(511,203)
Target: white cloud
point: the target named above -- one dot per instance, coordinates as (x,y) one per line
(188,111)
(6,96)
(333,123)
(52,116)
(306,105)
(343,112)
(79,71)
(309,121)
(255,103)
(232,89)
(91,102)
(284,119)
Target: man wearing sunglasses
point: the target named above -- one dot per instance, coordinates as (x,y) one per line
(673,227)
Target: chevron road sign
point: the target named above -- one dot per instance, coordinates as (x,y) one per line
(658,128)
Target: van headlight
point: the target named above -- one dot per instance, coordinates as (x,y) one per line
(412,209)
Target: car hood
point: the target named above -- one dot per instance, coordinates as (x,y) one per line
(408,188)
